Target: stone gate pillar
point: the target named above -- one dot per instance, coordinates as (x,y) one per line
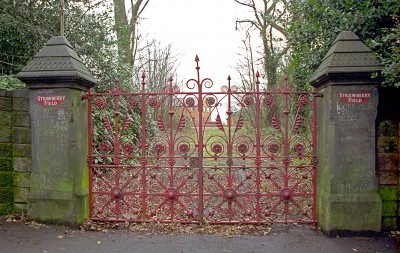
(57,79)
(347,191)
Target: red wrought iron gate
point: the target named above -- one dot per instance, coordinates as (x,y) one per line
(198,155)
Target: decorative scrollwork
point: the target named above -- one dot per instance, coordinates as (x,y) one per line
(182,122)
(127,148)
(242,148)
(210,101)
(159,149)
(90,160)
(104,148)
(190,101)
(217,148)
(207,83)
(244,145)
(234,88)
(298,149)
(153,101)
(297,123)
(160,124)
(274,148)
(133,101)
(239,123)
(268,100)
(219,124)
(258,160)
(275,123)
(300,145)
(100,103)
(191,84)
(107,124)
(248,100)
(303,100)
(184,146)
(126,124)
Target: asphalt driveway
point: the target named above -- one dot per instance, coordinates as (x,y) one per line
(16,237)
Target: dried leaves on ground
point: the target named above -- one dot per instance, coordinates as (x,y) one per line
(396,236)
(21,218)
(156,228)
(153,228)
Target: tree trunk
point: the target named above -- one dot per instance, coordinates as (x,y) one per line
(126,29)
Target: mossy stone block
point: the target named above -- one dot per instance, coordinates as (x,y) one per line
(388,177)
(21,194)
(22,150)
(5,134)
(5,118)
(20,207)
(6,104)
(389,208)
(22,164)
(387,128)
(388,161)
(6,164)
(388,192)
(21,135)
(6,195)
(6,150)
(21,179)
(389,223)
(21,119)
(6,208)
(6,179)
(387,144)
(21,104)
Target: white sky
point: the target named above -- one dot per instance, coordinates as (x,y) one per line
(202,27)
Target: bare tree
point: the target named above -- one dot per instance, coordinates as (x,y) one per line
(270,21)
(248,64)
(158,62)
(126,21)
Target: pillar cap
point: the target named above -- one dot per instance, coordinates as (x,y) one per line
(347,57)
(57,65)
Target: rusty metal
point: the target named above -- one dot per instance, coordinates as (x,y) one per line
(198,155)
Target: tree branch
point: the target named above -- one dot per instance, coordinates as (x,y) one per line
(144,6)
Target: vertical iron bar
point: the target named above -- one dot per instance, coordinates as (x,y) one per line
(200,141)
(116,144)
(171,147)
(90,152)
(286,145)
(258,145)
(315,155)
(229,146)
(143,146)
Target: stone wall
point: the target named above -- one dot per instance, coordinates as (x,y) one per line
(15,150)
(388,123)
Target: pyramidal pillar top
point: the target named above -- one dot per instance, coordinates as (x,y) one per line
(348,62)
(57,65)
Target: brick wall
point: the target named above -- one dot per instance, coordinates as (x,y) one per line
(388,149)
(15,150)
